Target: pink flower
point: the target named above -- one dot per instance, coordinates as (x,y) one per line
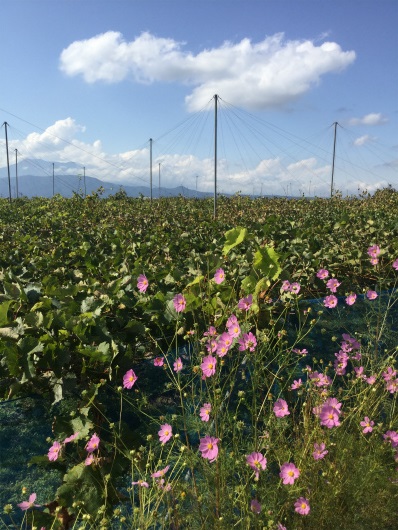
(89,460)
(289,473)
(141,483)
(222,348)
(302,506)
(350,299)
(374,251)
(208,447)
(296,384)
(389,374)
(286,285)
(374,261)
(226,339)
(165,433)
(367,424)
(219,276)
(395,265)
(257,462)
(93,443)
(53,451)
(177,365)
(232,320)
(372,295)
(295,288)
(247,342)
(71,438)
(142,283)
(332,284)
(302,352)
(359,371)
(319,452)
(129,379)
(392,436)
(281,527)
(209,365)
(322,274)
(211,332)
(255,506)
(179,303)
(234,330)
(245,303)
(25,505)
(371,379)
(161,472)
(211,346)
(281,408)
(330,301)
(205,412)
(329,416)
(159,361)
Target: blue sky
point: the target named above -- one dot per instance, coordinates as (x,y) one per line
(90,81)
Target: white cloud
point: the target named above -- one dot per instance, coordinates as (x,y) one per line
(265,74)
(365,139)
(375,118)
(268,176)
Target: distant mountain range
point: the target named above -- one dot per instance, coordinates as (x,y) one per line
(31,185)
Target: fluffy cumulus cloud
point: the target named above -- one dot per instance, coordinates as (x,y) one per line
(365,139)
(260,75)
(374,118)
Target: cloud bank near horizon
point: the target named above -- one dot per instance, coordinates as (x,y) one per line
(263,75)
(269,176)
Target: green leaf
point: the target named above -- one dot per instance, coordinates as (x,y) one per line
(4,307)
(233,238)
(266,260)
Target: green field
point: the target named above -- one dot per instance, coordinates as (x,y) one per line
(73,322)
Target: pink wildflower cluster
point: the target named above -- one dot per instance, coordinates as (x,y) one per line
(56,447)
(391,380)
(373,253)
(160,480)
(329,413)
(319,379)
(349,349)
(291,287)
(91,446)
(392,437)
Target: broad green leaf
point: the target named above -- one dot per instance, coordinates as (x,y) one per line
(233,238)
(4,307)
(266,260)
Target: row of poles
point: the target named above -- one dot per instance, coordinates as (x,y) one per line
(215,97)
(16,170)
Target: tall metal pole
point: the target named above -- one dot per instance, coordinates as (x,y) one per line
(150,166)
(215,155)
(159,180)
(8,163)
(334,156)
(16,170)
(84,181)
(53,181)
